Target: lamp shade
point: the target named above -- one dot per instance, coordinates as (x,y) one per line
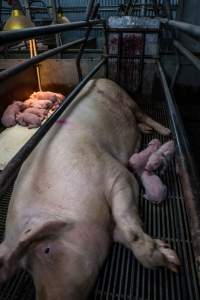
(61,19)
(17,20)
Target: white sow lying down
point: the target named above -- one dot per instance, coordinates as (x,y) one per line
(74,196)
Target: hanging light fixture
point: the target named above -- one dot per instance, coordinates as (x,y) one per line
(17,21)
(61,19)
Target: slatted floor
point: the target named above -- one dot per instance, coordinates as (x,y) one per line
(123,277)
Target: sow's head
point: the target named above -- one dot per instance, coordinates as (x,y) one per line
(60,268)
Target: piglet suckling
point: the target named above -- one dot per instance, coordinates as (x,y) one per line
(161,157)
(155,190)
(9,117)
(28,119)
(138,160)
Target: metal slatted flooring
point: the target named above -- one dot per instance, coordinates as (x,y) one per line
(123,277)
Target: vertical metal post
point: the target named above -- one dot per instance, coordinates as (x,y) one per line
(167,6)
(177,71)
(155,7)
(106,47)
(120,50)
(55,21)
(143,8)
(27,8)
(142,59)
(127,10)
(90,14)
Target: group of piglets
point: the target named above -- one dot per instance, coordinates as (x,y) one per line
(33,111)
(145,163)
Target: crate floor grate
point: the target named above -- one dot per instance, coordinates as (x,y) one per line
(122,277)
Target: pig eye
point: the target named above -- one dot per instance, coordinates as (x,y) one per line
(47,250)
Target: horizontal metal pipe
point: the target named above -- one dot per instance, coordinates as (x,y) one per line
(9,173)
(27,33)
(133,57)
(188,173)
(189,29)
(187,53)
(134,30)
(95,51)
(36,59)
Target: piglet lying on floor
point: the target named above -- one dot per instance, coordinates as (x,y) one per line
(149,160)
(161,158)
(9,117)
(28,119)
(32,111)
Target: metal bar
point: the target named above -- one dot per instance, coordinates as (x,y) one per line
(106,47)
(89,9)
(188,174)
(93,51)
(37,66)
(17,35)
(36,59)
(55,21)
(90,13)
(133,30)
(132,57)
(155,7)
(187,53)
(167,6)
(120,51)
(7,175)
(177,71)
(190,29)
(142,59)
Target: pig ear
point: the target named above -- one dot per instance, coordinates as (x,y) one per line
(9,258)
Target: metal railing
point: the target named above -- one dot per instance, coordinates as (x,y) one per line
(188,174)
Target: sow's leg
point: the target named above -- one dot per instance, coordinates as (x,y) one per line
(150,252)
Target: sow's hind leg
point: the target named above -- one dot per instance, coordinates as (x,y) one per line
(150,252)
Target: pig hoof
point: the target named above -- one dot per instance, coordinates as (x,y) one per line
(166,131)
(172,261)
(145,128)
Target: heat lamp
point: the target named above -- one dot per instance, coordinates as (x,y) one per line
(18,21)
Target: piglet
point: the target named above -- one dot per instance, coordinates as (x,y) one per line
(47,95)
(138,161)
(161,158)
(28,119)
(155,190)
(42,113)
(9,117)
(44,104)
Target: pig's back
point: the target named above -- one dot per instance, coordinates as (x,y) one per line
(65,175)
